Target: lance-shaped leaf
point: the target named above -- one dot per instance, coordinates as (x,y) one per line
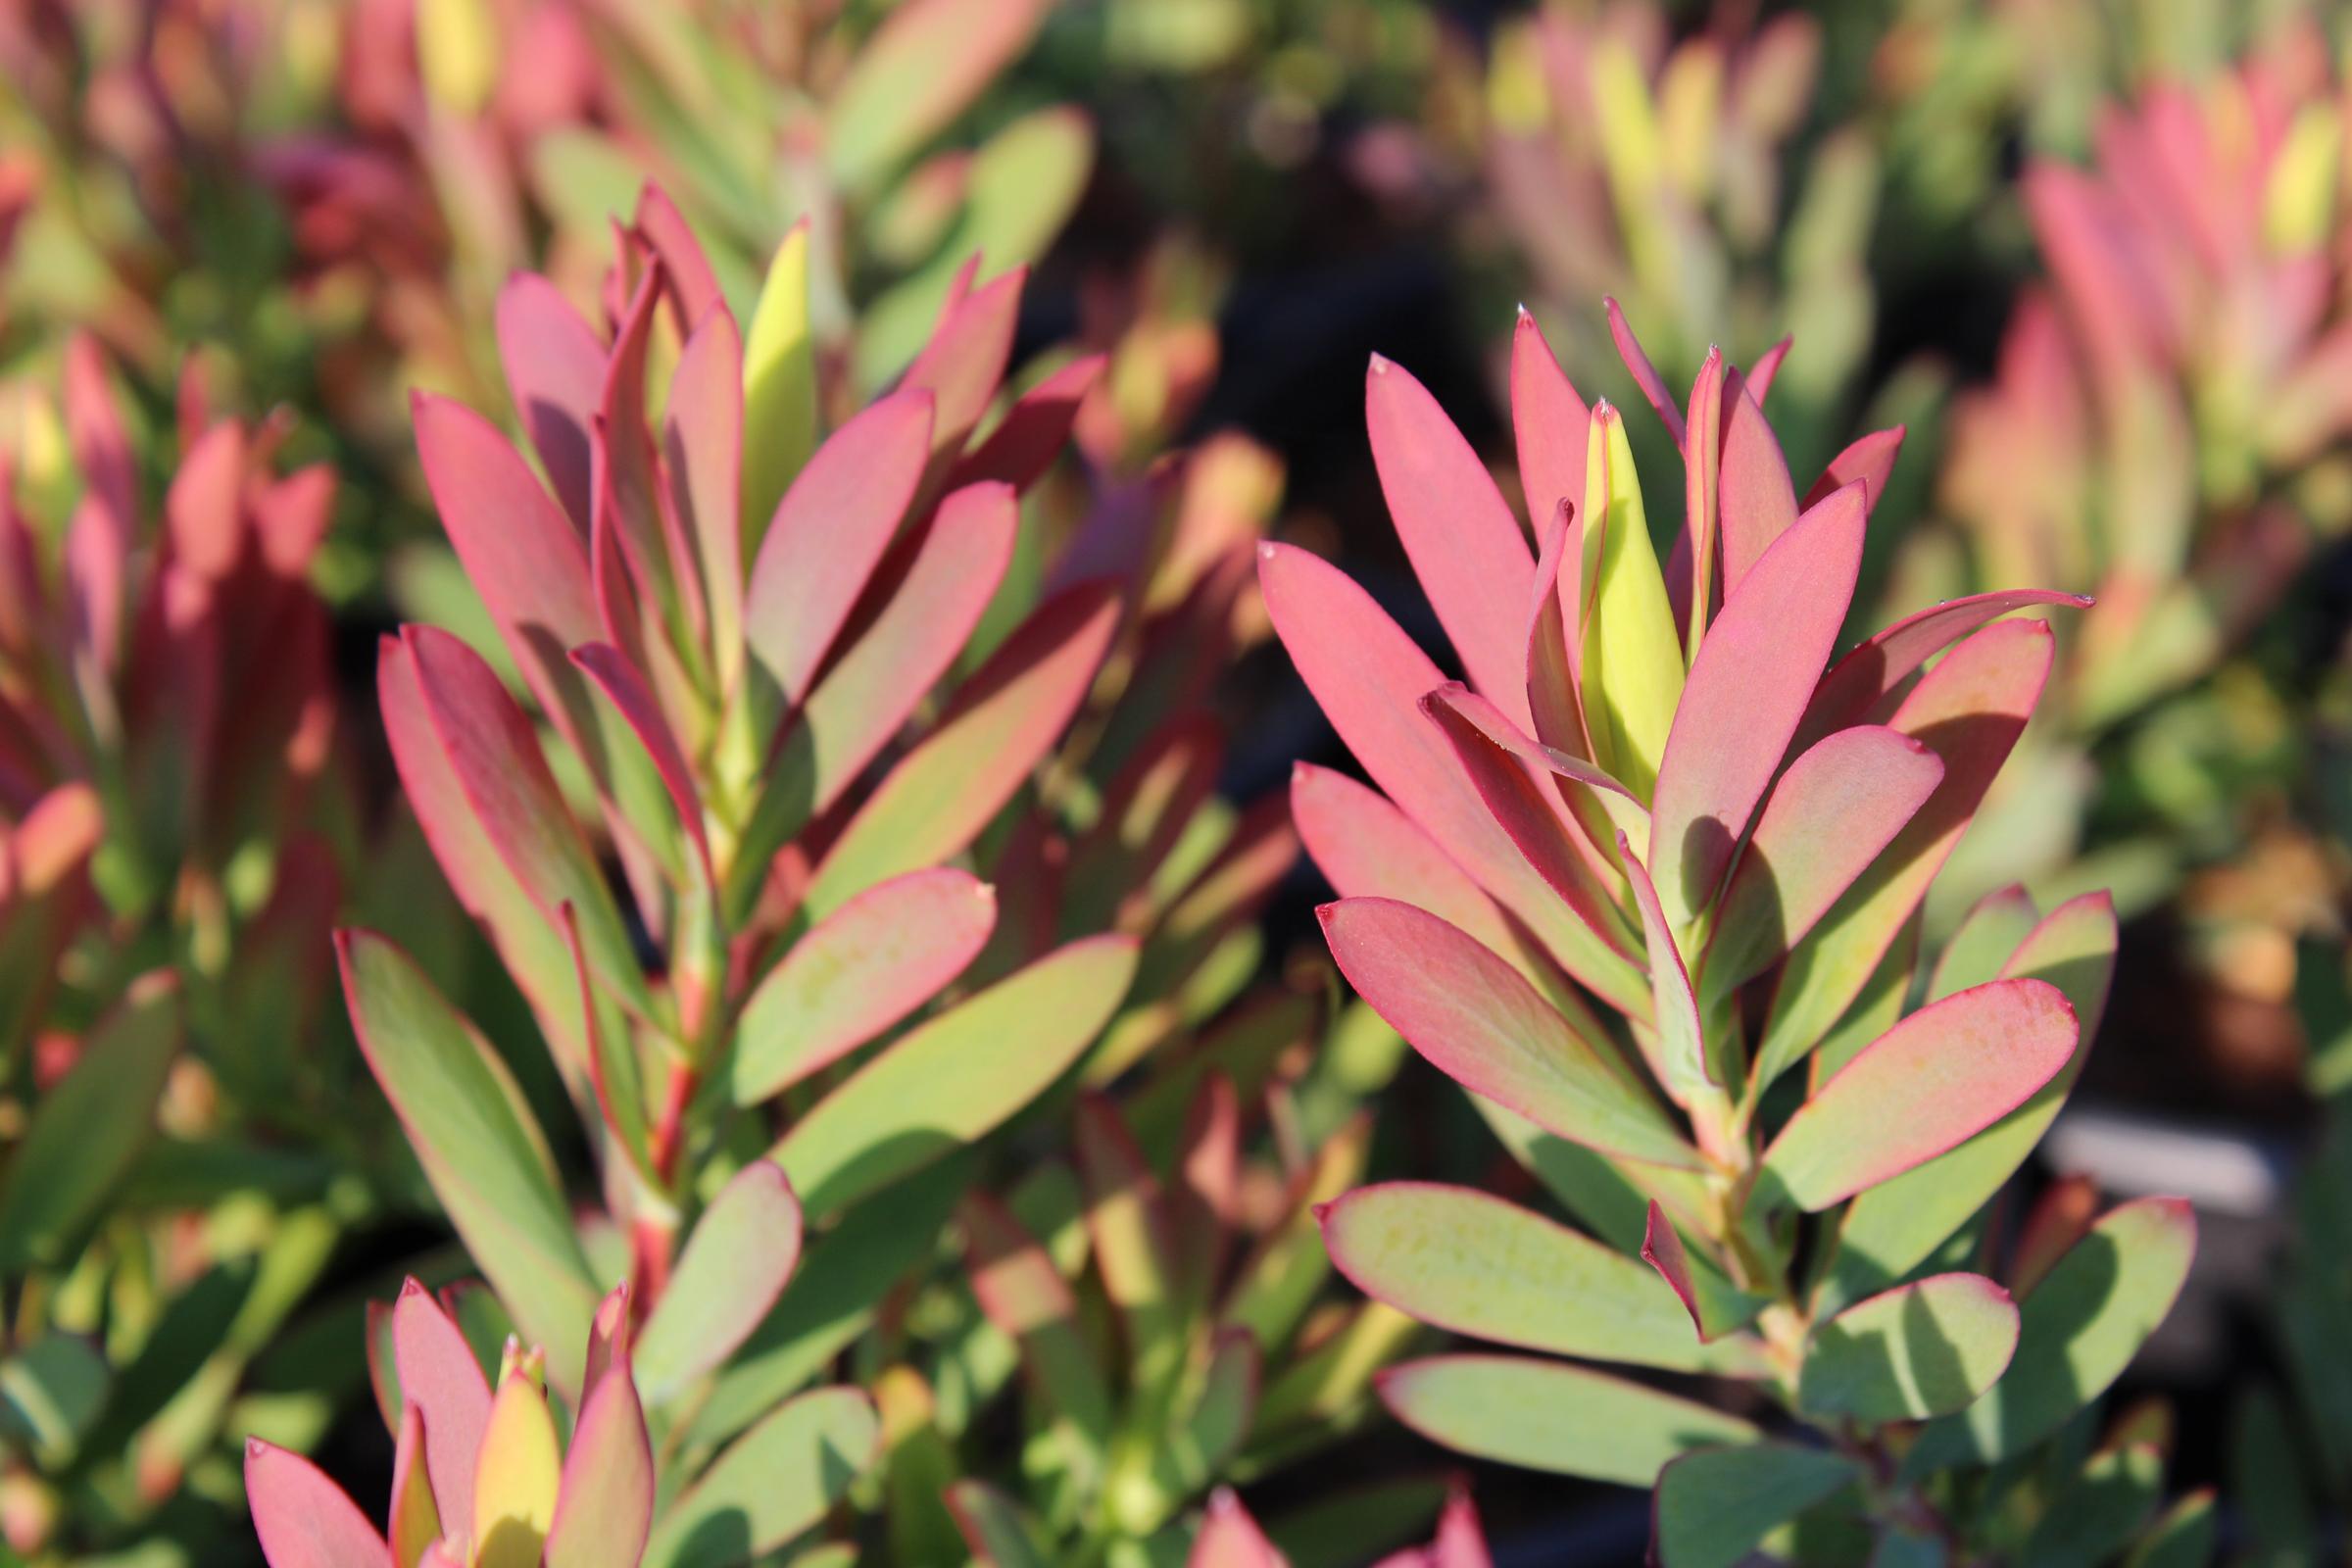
(1758,502)
(921,69)
(867,693)
(865,966)
(2060,1218)
(304,1520)
(958,1076)
(1716,1307)
(1832,812)
(1461,1260)
(1987,935)
(735,1265)
(963,364)
(1891,1228)
(1767,369)
(1631,665)
(1945,1073)
(88,1129)
(1713,1508)
(497,762)
(664,230)
(520,1468)
(1465,546)
(1699,547)
(2077,1332)
(1001,723)
(1747,689)
(1126,1220)
(828,534)
(1026,1299)
(1370,679)
(1215,1410)
(413,1519)
(1868,461)
(702,446)
(1551,1415)
(604,1504)
(1548,421)
(1920,1350)
(780,385)
(631,511)
(1681,1061)
(1645,374)
(466,1121)
(1034,430)
(1970,711)
(442,1384)
(553,365)
(1473,1016)
(625,689)
(770,1483)
(1860,685)
(1230,1539)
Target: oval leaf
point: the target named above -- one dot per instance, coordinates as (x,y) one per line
(770,1483)
(736,1263)
(1550,1415)
(1920,1350)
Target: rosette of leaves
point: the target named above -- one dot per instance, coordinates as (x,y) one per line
(172,837)
(1647,885)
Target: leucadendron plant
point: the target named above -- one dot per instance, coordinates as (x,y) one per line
(172,832)
(1647,886)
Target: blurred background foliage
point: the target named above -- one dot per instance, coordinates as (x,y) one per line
(2096,255)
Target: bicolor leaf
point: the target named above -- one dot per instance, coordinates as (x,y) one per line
(1026,1299)
(553,365)
(770,1483)
(736,1262)
(1920,1350)
(442,1383)
(516,1477)
(1862,683)
(605,1505)
(1552,1415)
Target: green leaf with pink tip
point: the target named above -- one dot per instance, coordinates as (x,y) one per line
(620,685)
(304,1519)
(1746,690)
(1715,1506)
(486,1159)
(441,1382)
(605,1502)
(957,1077)
(736,1261)
(864,968)
(1829,816)
(770,1483)
(1025,1297)
(1479,1022)
(1548,422)
(1552,1415)
(1370,679)
(413,1519)
(828,535)
(1969,710)
(1758,502)
(1680,1041)
(1631,668)
(1862,687)
(1464,545)
(495,758)
(1715,1306)
(1461,1260)
(1890,1229)
(554,364)
(1000,726)
(1920,1350)
(1943,1074)
(2077,1331)
(867,695)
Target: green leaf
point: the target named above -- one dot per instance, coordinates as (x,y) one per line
(2183,1539)
(1459,1260)
(87,1130)
(779,387)
(2100,1512)
(956,1077)
(921,69)
(1713,1506)
(484,1154)
(51,1393)
(773,1483)
(1551,1415)
(2268,1482)
(1920,1350)
(735,1265)
(2077,1332)
(1632,666)
(994,1530)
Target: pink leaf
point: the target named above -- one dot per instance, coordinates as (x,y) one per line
(1858,686)
(1479,1022)
(1230,1539)
(1870,459)
(702,446)
(1767,369)
(629,489)
(304,1519)
(1836,808)
(1758,503)
(964,362)
(440,1379)
(1464,544)
(101,446)
(1034,430)
(1547,420)
(1645,374)
(1941,1075)
(683,263)
(1662,1249)
(1697,549)
(1747,692)
(202,510)
(605,1501)
(829,533)
(625,689)
(554,364)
